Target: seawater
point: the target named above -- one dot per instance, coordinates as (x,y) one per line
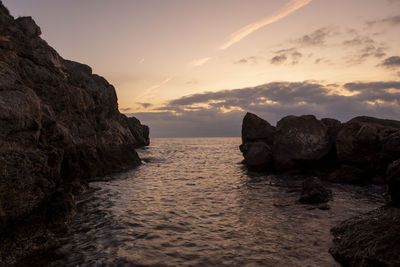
(192,203)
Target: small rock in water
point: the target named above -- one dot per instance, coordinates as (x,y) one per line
(314,192)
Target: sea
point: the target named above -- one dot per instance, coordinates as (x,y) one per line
(193,203)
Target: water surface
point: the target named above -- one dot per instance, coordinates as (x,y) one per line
(193,203)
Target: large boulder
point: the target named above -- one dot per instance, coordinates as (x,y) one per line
(256,129)
(371,239)
(300,142)
(258,156)
(393,180)
(360,140)
(314,192)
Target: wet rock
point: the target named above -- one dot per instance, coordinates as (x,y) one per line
(314,192)
(393,180)
(300,142)
(256,129)
(371,239)
(258,156)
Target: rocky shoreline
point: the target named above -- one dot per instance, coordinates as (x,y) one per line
(361,151)
(59,127)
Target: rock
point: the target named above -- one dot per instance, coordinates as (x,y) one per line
(258,156)
(59,124)
(371,239)
(28,27)
(333,127)
(257,129)
(300,142)
(391,145)
(393,180)
(359,143)
(314,192)
(350,175)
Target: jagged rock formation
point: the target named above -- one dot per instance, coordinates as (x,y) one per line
(59,124)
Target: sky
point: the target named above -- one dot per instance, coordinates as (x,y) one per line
(194,68)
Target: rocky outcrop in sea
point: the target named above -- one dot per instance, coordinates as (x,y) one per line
(361,151)
(59,127)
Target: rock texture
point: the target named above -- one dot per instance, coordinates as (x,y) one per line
(372,239)
(300,142)
(59,124)
(357,152)
(314,192)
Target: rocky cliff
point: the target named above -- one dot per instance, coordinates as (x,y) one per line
(59,125)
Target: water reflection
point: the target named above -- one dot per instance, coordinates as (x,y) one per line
(192,203)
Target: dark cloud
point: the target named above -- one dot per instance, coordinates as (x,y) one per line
(365,47)
(392,21)
(283,55)
(144,105)
(277,60)
(391,62)
(247,60)
(317,37)
(220,113)
(125,110)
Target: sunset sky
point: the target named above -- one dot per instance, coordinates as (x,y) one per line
(175,63)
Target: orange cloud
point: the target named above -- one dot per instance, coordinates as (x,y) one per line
(289,8)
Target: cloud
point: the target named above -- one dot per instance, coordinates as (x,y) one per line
(284,54)
(125,110)
(392,21)
(145,105)
(277,60)
(316,38)
(247,60)
(200,61)
(365,47)
(289,8)
(391,62)
(148,93)
(220,113)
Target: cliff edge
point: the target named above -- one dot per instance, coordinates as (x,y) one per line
(59,125)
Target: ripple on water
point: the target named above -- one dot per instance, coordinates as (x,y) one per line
(192,203)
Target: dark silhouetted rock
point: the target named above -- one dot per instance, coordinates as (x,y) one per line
(391,145)
(349,175)
(300,142)
(372,239)
(314,192)
(393,180)
(257,129)
(59,124)
(333,127)
(359,143)
(258,156)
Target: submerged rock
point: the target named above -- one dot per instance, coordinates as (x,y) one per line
(314,192)
(300,142)
(372,239)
